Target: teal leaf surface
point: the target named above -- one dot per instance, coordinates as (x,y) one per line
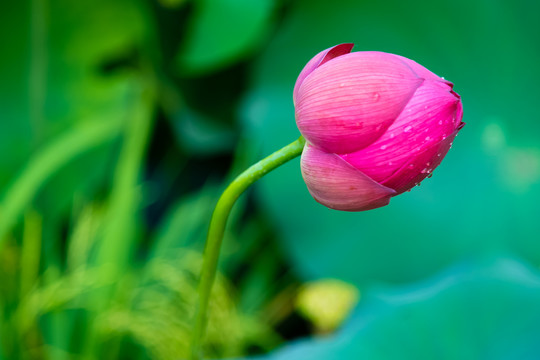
(485,309)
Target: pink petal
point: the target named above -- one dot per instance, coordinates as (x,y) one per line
(422,72)
(346,104)
(431,116)
(318,60)
(337,185)
(421,166)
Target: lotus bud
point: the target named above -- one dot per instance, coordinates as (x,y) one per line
(376,124)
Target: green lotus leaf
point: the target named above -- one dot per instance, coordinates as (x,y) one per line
(486,309)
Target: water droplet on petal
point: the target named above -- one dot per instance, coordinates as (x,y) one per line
(440,122)
(407,129)
(391,135)
(439,155)
(411,166)
(383,147)
(428,138)
(376,96)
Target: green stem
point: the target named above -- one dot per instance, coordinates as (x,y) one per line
(217,228)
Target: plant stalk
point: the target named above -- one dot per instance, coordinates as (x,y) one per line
(217,228)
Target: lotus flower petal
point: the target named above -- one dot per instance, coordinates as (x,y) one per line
(423,164)
(349,102)
(432,115)
(337,185)
(318,60)
(421,71)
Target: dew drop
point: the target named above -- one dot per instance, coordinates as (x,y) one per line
(439,155)
(428,138)
(423,171)
(425,107)
(392,135)
(390,163)
(407,129)
(411,166)
(376,96)
(383,147)
(440,122)
(427,164)
(442,77)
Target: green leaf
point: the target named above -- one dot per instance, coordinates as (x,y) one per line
(482,309)
(56,74)
(63,150)
(223,31)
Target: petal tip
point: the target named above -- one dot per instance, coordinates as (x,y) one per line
(319,59)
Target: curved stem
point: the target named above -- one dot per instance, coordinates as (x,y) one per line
(217,228)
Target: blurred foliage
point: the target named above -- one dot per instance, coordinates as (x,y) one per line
(484,309)
(327,302)
(222,31)
(121,122)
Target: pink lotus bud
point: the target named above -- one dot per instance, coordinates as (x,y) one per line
(376,124)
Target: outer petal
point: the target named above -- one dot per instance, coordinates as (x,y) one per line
(431,116)
(349,102)
(422,71)
(337,185)
(318,60)
(421,166)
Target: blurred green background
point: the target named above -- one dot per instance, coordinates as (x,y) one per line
(122,121)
